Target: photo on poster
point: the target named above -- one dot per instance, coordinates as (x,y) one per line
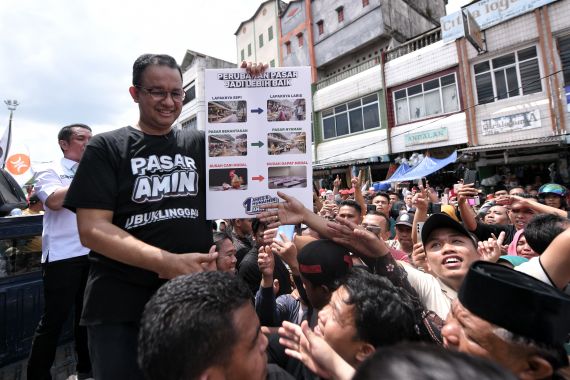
(287,177)
(227,145)
(228,179)
(286,143)
(286,110)
(227,112)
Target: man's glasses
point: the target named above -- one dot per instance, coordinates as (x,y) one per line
(372,228)
(158,94)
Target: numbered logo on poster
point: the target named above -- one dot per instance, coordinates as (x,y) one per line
(18,164)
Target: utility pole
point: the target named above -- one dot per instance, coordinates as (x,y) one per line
(11,104)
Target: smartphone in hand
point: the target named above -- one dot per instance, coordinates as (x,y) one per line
(286,229)
(470,176)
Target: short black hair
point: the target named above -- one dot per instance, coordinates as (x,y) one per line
(383,313)
(187,326)
(414,361)
(351,203)
(146,60)
(380,214)
(542,229)
(382,194)
(219,238)
(66,132)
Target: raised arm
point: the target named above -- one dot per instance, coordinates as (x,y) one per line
(556,260)
(98,233)
(468,215)
(357,186)
(538,207)
(292,211)
(421,202)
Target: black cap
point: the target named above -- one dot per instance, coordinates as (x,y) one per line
(441,220)
(516,302)
(406,219)
(323,262)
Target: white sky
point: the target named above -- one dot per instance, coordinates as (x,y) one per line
(70,61)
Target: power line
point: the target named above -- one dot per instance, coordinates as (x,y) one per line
(439,119)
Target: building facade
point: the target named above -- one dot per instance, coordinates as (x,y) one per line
(257,39)
(343,42)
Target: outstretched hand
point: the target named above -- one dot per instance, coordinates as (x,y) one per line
(310,348)
(291,211)
(175,265)
(356,238)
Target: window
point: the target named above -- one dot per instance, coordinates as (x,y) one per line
(288,47)
(270,33)
(261,40)
(365,3)
(432,97)
(321,27)
(300,39)
(190,94)
(190,123)
(505,76)
(242,55)
(272,63)
(248,50)
(564,49)
(352,117)
(340,14)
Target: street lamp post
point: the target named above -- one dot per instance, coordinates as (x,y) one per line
(11,104)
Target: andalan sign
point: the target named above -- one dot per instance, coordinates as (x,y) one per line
(510,123)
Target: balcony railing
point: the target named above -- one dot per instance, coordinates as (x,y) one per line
(348,73)
(414,44)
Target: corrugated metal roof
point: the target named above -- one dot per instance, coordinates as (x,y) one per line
(539,141)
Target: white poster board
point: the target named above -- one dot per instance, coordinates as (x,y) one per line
(258,140)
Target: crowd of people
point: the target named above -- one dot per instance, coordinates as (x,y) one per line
(410,284)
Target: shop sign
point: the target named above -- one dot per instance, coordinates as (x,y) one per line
(487,13)
(509,123)
(424,137)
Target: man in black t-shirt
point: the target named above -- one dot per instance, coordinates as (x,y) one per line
(140,199)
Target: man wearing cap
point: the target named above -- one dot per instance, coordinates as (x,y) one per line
(523,328)
(403,240)
(379,224)
(450,250)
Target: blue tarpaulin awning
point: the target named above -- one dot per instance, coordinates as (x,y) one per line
(428,166)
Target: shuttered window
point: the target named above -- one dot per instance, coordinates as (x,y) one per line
(564,49)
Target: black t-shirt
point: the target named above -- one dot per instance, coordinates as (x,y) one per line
(155,186)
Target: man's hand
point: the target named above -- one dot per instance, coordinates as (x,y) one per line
(466,191)
(337,182)
(175,265)
(490,250)
(266,264)
(419,256)
(313,351)
(420,201)
(287,251)
(291,211)
(254,69)
(357,238)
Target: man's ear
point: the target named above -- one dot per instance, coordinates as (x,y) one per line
(63,145)
(365,350)
(212,373)
(134,93)
(538,368)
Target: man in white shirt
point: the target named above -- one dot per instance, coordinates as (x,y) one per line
(64,260)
